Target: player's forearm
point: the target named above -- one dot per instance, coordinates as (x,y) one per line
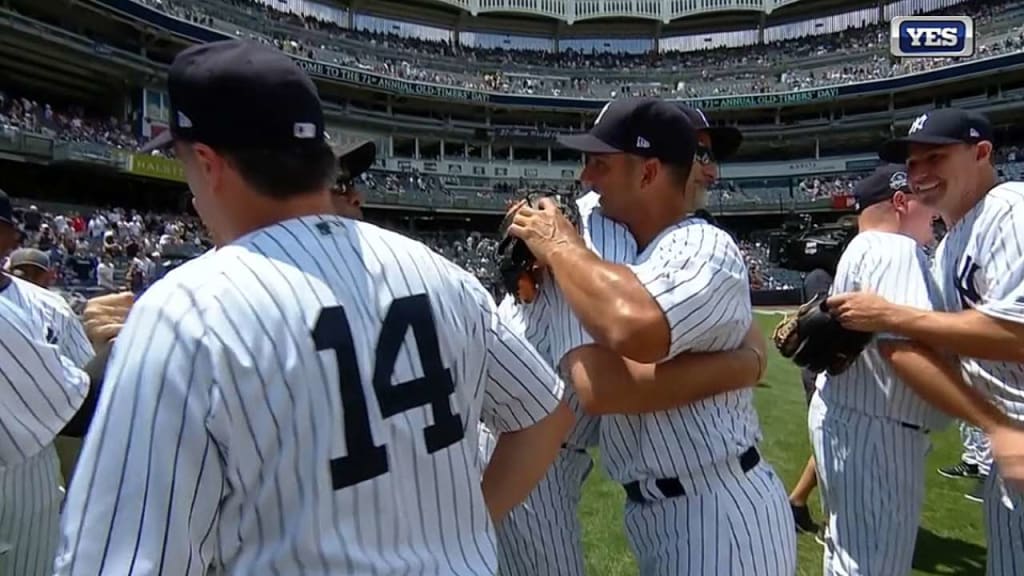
(612,304)
(521,459)
(608,384)
(939,383)
(968,333)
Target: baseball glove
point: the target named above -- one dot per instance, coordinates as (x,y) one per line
(812,338)
(517,267)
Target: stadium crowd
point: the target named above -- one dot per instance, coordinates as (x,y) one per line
(99,250)
(762,68)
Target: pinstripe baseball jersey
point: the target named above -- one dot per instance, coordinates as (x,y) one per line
(50,310)
(697,275)
(613,242)
(304,400)
(896,268)
(39,389)
(980,265)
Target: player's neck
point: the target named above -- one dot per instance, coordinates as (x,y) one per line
(262,212)
(987,182)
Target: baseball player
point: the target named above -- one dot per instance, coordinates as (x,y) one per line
(543,536)
(687,291)
(33,488)
(949,157)
(975,461)
(32,266)
(353,160)
(304,398)
(817,281)
(869,431)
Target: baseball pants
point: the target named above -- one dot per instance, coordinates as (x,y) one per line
(871,476)
(740,526)
(543,536)
(977,450)
(30,502)
(1004,527)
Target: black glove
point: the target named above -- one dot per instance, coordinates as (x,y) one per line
(812,338)
(517,267)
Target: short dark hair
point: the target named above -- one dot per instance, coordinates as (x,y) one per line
(680,173)
(285,172)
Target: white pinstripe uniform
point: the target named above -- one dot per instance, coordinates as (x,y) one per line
(868,429)
(543,536)
(980,265)
(33,490)
(319,380)
(40,391)
(977,449)
(729,520)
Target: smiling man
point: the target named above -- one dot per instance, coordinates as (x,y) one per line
(980,274)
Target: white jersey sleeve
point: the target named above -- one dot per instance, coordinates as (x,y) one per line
(155,408)
(612,242)
(521,387)
(52,311)
(40,389)
(895,268)
(696,274)
(994,269)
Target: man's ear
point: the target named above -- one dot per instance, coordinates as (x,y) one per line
(984,151)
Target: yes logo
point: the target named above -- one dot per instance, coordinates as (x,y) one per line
(932,36)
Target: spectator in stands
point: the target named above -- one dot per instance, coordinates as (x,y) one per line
(105,274)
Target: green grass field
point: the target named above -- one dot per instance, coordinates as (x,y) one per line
(951,538)
(950,541)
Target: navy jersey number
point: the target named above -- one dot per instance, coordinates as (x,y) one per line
(365,460)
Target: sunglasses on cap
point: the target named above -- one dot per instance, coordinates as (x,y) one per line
(704,155)
(343,184)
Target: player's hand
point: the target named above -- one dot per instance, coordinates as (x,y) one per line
(104,317)
(862,311)
(545,230)
(1008,453)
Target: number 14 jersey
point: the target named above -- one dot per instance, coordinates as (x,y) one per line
(303,401)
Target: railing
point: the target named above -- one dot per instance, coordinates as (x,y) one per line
(388,84)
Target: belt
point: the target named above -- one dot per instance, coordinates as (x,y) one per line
(914,427)
(574,449)
(673,488)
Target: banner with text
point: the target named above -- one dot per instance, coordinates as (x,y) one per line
(155,167)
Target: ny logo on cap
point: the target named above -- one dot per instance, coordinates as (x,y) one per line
(184,121)
(974,133)
(918,123)
(642,142)
(898,181)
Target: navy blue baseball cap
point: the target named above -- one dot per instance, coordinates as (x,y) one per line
(356,157)
(240,94)
(725,140)
(644,126)
(881,185)
(939,127)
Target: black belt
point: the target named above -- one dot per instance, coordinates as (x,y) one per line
(914,427)
(673,488)
(574,449)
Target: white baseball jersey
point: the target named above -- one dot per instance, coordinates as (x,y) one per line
(32,490)
(543,536)
(52,311)
(697,275)
(896,268)
(304,400)
(980,265)
(40,390)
